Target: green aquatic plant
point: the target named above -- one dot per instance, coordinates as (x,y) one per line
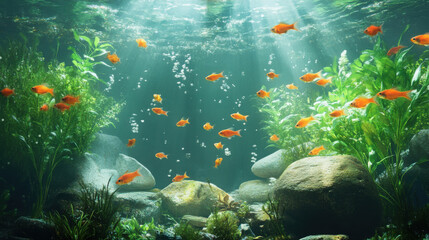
(224,225)
(72,226)
(282,111)
(99,204)
(34,142)
(131,229)
(275,224)
(90,49)
(186,231)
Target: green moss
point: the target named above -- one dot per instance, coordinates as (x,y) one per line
(186,231)
(131,229)
(224,225)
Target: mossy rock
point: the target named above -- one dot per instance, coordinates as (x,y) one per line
(329,194)
(190,197)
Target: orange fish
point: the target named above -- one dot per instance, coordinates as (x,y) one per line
(323,81)
(291,86)
(392,94)
(161,155)
(159,111)
(7,92)
(182,122)
(141,42)
(304,122)
(373,30)
(337,113)
(179,178)
(214,76)
(207,126)
(157,97)
(237,116)
(218,162)
(394,50)
(263,94)
(421,39)
(316,151)
(283,28)
(113,58)
(362,102)
(218,145)
(272,75)
(228,133)
(44,108)
(42,89)
(70,99)
(62,106)
(128,177)
(309,77)
(131,142)
(274,138)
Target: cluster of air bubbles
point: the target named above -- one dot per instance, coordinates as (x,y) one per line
(188,155)
(203,145)
(139,83)
(243,73)
(134,124)
(227,152)
(238,102)
(178,160)
(169,172)
(253,158)
(110,83)
(225,87)
(270,61)
(165,142)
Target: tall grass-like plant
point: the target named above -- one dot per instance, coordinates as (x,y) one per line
(72,226)
(34,142)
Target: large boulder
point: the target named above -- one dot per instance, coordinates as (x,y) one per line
(255,191)
(272,165)
(92,174)
(145,182)
(328,195)
(190,197)
(144,206)
(419,146)
(108,147)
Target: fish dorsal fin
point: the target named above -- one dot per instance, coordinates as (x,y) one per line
(126,171)
(283,23)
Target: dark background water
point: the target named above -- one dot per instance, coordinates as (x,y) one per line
(188,40)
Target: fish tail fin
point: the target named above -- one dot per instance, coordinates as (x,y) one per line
(329,80)
(276,75)
(221,74)
(381,31)
(187,121)
(51,91)
(268,94)
(319,73)
(373,100)
(407,94)
(185,176)
(312,118)
(322,148)
(238,133)
(138,172)
(166,156)
(245,118)
(166,113)
(294,26)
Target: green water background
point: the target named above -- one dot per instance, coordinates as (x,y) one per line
(188,40)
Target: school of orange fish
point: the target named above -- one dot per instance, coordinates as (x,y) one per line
(360,102)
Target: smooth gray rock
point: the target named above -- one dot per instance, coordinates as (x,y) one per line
(91,173)
(419,145)
(326,237)
(329,194)
(270,166)
(108,147)
(126,163)
(142,205)
(33,228)
(195,221)
(255,191)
